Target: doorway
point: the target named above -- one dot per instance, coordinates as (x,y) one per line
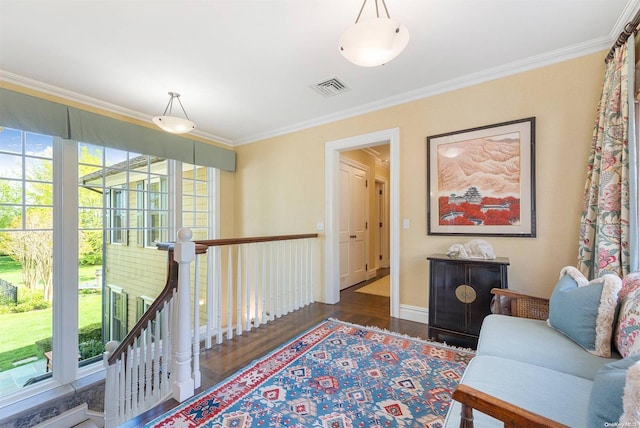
(331,290)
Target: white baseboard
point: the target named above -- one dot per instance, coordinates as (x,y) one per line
(414,313)
(75,417)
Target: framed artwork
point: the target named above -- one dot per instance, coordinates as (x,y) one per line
(481,181)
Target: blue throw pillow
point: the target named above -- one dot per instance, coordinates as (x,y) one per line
(606,399)
(585,310)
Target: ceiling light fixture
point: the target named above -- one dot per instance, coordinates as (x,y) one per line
(174,124)
(373,41)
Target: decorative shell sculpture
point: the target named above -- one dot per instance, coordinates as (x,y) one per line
(474,249)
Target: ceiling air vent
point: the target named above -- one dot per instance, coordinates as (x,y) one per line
(331,87)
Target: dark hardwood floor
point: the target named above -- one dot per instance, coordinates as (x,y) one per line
(221,361)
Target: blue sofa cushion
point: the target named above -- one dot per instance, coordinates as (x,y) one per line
(558,396)
(606,401)
(534,342)
(585,310)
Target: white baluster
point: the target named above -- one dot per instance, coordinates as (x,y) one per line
(213,294)
(110,387)
(263,315)
(247,281)
(122,388)
(311,264)
(279,279)
(128,412)
(229,295)
(196,326)
(290,278)
(166,345)
(239,294)
(296,281)
(156,358)
(307,270)
(139,383)
(184,253)
(217,308)
(148,366)
(256,287)
(272,270)
(135,378)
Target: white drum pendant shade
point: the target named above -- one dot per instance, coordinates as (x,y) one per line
(372,42)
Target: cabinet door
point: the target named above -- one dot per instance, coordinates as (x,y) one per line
(482,278)
(447,310)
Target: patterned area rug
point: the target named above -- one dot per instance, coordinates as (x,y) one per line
(335,375)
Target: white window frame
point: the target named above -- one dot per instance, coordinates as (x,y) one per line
(67,376)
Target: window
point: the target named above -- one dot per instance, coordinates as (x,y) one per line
(117,216)
(103,234)
(116,313)
(142,305)
(26,251)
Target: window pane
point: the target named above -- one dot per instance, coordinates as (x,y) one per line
(117,158)
(39,169)
(10,166)
(90,252)
(10,140)
(38,193)
(26,270)
(11,191)
(38,144)
(90,218)
(39,218)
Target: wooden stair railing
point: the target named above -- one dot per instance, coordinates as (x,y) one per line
(159,357)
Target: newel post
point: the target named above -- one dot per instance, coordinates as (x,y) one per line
(111,387)
(184,253)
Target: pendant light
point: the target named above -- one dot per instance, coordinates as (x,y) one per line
(174,124)
(373,41)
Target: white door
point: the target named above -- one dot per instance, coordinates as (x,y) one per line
(353,224)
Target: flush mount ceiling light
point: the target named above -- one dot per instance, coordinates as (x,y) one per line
(373,41)
(174,124)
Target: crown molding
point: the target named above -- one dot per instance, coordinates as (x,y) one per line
(74,97)
(501,71)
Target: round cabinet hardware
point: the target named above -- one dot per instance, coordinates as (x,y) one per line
(466,293)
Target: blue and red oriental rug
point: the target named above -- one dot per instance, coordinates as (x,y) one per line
(336,375)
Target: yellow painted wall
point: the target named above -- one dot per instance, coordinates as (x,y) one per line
(279,185)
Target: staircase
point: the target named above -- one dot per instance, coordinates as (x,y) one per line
(246,283)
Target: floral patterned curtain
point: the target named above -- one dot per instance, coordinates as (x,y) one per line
(605,234)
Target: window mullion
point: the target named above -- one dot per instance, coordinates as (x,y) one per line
(65,261)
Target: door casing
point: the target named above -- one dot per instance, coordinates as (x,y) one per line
(331,292)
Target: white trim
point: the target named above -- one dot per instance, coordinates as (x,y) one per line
(526,64)
(46,88)
(487,75)
(414,313)
(65,261)
(332,192)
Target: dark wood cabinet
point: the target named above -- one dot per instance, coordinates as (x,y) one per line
(460,296)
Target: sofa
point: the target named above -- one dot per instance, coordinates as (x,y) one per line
(572,360)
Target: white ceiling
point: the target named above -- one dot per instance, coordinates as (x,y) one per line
(244,68)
